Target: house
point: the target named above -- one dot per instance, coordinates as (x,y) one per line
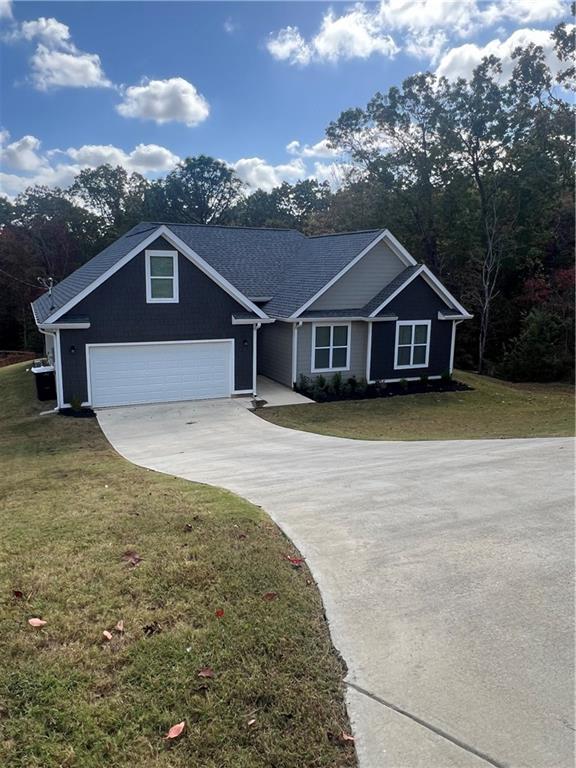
(174,312)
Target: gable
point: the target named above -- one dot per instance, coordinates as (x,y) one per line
(124,293)
(365,279)
(417,301)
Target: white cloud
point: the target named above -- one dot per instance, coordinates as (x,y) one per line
(259,174)
(172,100)
(230,26)
(422,28)
(461,61)
(56,62)
(144,158)
(60,167)
(333,173)
(22,155)
(289,45)
(5,9)
(63,69)
(320,149)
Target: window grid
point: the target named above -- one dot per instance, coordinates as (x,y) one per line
(412,344)
(334,349)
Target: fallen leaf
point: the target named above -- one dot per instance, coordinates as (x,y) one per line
(120,626)
(206,672)
(107,635)
(131,557)
(219,613)
(242,536)
(346,737)
(37,622)
(252,722)
(270,596)
(295,561)
(18,594)
(176,730)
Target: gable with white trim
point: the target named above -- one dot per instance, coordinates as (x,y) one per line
(362,281)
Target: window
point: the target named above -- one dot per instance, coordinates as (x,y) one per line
(331,348)
(161,277)
(412,344)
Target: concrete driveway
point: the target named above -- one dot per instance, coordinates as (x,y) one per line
(445,568)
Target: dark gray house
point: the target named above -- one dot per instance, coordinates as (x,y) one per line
(181,312)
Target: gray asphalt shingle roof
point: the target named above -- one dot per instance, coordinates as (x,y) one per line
(281,263)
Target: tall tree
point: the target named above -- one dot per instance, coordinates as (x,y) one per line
(201,190)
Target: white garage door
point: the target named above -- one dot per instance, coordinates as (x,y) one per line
(126,374)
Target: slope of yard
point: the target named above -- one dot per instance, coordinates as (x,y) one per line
(70,509)
(493,408)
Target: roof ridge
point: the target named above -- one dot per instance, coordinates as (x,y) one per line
(351,232)
(221,226)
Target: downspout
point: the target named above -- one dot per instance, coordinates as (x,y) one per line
(453,343)
(295,327)
(369,352)
(255,328)
(55,348)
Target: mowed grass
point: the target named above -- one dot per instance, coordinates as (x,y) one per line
(493,409)
(69,509)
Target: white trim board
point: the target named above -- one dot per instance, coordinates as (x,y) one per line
(185,250)
(436,286)
(175,298)
(412,324)
(396,248)
(330,347)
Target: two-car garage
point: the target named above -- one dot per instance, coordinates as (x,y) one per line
(159,372)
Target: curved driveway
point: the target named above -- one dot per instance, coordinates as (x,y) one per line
(446,569)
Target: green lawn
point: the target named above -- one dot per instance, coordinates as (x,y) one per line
(493,409)
(70,509)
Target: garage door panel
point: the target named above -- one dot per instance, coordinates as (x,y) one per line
(152,373)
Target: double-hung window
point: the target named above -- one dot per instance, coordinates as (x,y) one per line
(162,277)
(412,344)
(331,348)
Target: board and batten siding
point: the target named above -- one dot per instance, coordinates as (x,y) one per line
(358,342)
(416,302)
(274,350)
(118,313)
(363,281)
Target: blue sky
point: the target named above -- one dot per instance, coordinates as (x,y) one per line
(255,84)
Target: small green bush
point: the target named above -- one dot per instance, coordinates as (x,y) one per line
(446,378)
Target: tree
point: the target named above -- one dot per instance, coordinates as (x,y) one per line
(201,190)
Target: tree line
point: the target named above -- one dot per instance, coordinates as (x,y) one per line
(474,176)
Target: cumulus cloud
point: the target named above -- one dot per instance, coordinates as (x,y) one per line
(320,149)
(57,62)
(164,101)
(421,28)
(25,165)
(357,33)
(259,174)
(462,60)
(5,9)
(22,155)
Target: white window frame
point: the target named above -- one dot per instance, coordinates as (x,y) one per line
(175,293)
(400,323)
(313,368)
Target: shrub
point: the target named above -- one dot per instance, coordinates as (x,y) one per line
(76,403)
(361,387)
(403,384)
(335,385)
(540,352)
(352,384)
(303,384)
(424,380)
(446,378)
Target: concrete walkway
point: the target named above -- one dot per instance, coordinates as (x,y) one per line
(271,393)
(446,569)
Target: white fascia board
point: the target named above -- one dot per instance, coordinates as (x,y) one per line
(180,245)
(397,249)
(252,321)
(445,316)
(63,326)
(335,320)
(398,290)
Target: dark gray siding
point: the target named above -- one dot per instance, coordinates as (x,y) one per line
(416,302)
(275,352)
(118,312)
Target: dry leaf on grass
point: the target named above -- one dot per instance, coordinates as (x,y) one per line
(346,737)
(131,557)
(107,635)
(295,561)
(176,730)
(252,722)
(270,596)
(18,594)
(35,622)
(120,626)
(219,613)
(206,672)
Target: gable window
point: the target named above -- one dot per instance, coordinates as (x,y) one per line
(412,347)
(162,277)
(331,348)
